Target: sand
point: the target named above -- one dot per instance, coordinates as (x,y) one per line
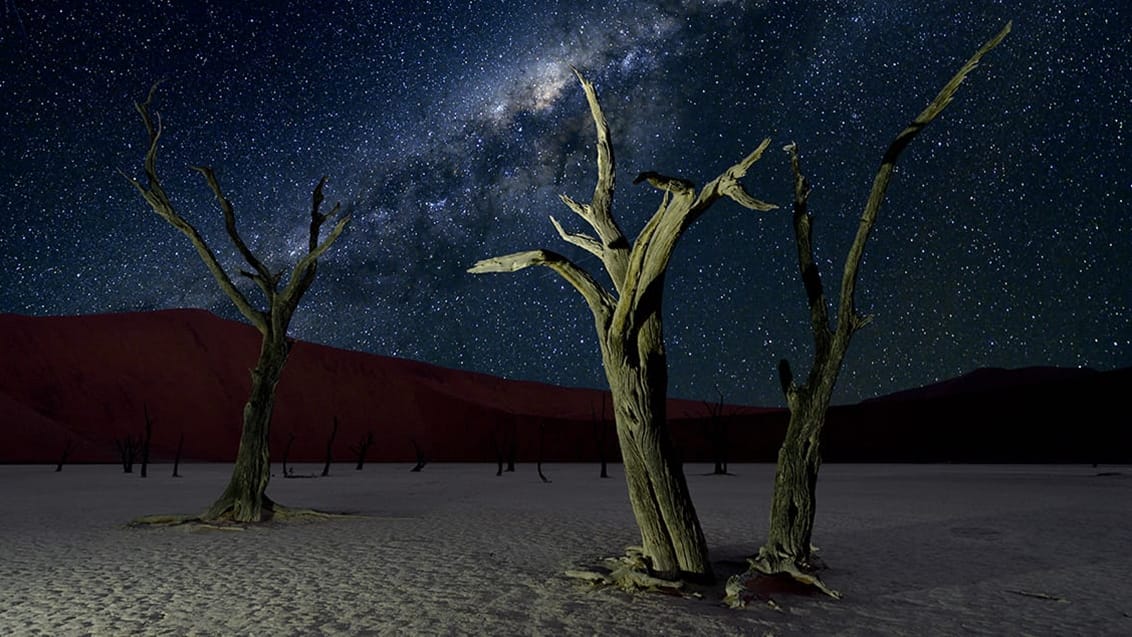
(916,550)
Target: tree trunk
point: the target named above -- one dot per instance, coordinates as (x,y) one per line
(245,500)
(658,492)
(794,502)
(177,458)
(330,449)
(788,548)
(67,447)
(145,443)
(628,322)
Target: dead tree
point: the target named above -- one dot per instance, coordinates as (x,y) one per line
(244,499)
(541,451)
(146,441)
(422,460)
(361,449)
(127,447)
(788,549)
(717,434)
(329,448)
(600,434)
(512,447)
(68,447)
(505,440)
(177,457)
(287,473)
(628,322)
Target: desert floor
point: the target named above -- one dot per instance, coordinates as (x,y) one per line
(916,550)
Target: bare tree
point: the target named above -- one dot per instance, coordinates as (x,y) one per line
(145,441)
(422,459)
(244,499)
(362,449)
(287,473)
(541,451)
(68,447)
(127,447)
(600,429)
(628,323)
(788,549)
(177,457)
(717,435)
(330,448)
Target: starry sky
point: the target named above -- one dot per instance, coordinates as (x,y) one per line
(448,128)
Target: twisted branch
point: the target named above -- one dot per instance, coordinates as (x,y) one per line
(159,201)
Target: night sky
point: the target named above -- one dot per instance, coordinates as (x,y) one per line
(449,129)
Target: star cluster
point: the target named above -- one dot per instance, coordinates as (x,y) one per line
(449,128)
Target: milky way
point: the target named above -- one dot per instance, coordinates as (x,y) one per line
(448,130)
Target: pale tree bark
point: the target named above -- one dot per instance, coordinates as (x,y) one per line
(788,547)
(628,322)
(245,499)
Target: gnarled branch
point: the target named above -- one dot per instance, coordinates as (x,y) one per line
(583,241)
(264,278)
(159,201)
(679,209)
(598,213)
(847,318)
(600,301)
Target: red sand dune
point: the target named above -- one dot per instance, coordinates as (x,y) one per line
(87,381)
(82,382)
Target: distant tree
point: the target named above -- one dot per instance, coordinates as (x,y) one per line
(287,454)
(177,457)
(628,323)
(505,440)
(127,447)
(787,549)
(717,434)
(600,429)
(145,441)
(422,460)
(68,447)
(245,499)
(362,449)
(541,451)
(330,448)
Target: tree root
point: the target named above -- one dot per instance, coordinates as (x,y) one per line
(744,588)
(630,572)
(279,514)
(289,514)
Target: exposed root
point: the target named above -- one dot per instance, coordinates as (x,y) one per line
(279,514)
(163,520)
(773,573)
(283,513)
(630,572)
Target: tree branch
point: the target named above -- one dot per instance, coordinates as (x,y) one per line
(317,216)
(302,275)
(600,301)
(583,241)
(264,281)
(653,247)
(159,201)
(598,213)
(807,266)
(847,318)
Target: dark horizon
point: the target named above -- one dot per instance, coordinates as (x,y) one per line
(95,379)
